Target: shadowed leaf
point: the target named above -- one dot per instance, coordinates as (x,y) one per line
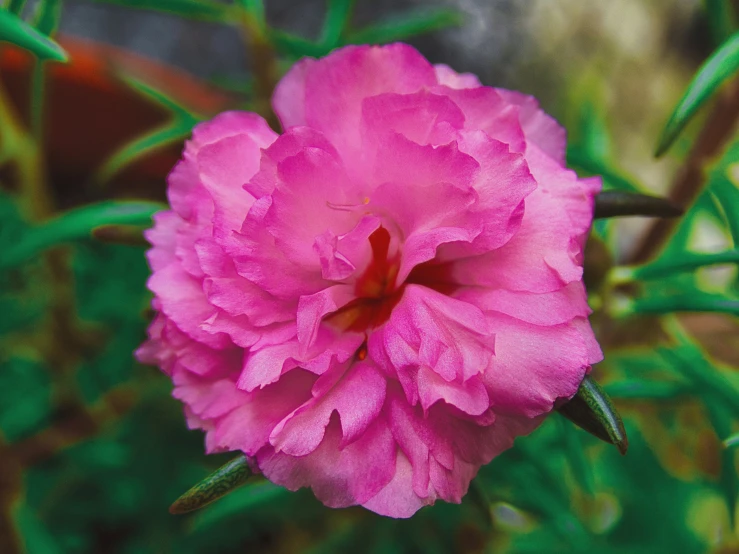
(612,179)
(195,9)
(219,483)
(405,26)
(612,203)
(18,32)
(722,64)
(592,410)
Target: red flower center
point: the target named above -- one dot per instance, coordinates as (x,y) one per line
(376,290)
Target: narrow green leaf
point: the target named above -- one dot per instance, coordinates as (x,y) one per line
(721,65)
(18,32)
(689,360)
(689,261)
(77,224)
(219,483)
(255,8)
(732,441)
(208,10)
(405,26)
(615,203)
(573,450)
(721,19)
(687,301)
(336,22)
(239,503)
(49,14)
(726,193)
(592,410)
(16,6)
(612,179)
(160,98)
(161,137)
(294,46)
(652,390)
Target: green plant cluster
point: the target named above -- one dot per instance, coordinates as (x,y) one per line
(93,450)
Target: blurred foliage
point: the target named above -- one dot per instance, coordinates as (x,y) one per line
(93,450)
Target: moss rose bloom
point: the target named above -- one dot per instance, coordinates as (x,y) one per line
(376,302)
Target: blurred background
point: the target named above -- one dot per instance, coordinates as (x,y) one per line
(93,449)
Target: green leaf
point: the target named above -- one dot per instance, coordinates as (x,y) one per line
(37,539)
(721,19)
(178,111)
(405,26)
(612,179)
(719,67)
(152,141)
(653,390)
(29,380)
(689,261)
(615,203)
(592,410)
(207,10)
(294,46)
(732,441)
(239,503)
(726,193)
(336,22)
(686,301)
(76,224)
(49,14)
(255,8)
(18,32)
(16,6)
(219,483)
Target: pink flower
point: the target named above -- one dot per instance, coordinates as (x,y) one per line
(375,303)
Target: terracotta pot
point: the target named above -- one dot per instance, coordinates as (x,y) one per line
(90,112)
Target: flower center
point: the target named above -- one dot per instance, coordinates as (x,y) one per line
(375,289)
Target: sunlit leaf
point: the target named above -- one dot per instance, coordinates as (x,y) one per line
(18,32)
(732,441)
(405,26)
(592,410)
(689,261)
(75,224)
(219,483)
(615,203)
(209,10)
(722,64)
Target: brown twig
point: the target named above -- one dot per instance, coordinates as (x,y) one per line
(689,181)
